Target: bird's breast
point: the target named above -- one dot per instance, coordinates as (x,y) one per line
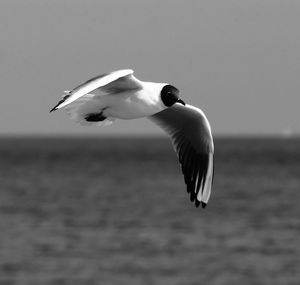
(132,105)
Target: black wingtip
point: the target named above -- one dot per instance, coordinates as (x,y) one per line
(198,203)
(56,106)
(60,102)
(53,109)
(192,196)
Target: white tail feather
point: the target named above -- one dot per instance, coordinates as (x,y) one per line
(84,106)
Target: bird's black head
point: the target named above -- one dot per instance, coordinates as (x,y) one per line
(170,95)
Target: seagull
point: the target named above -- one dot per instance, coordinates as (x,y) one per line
(120,95)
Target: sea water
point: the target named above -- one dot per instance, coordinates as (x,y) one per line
(115,211)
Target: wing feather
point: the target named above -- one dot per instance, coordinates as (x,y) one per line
(113,82)
(192,140)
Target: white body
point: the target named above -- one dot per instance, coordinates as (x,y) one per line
(132,104)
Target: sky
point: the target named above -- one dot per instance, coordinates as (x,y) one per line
(239,61)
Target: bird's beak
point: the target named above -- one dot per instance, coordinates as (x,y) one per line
(181,102)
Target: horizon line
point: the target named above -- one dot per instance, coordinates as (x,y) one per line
(141,136)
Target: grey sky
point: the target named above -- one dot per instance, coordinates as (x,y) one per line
(237,60)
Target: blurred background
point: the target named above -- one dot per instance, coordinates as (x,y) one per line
(108,205)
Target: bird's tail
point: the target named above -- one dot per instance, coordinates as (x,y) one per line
(87,111)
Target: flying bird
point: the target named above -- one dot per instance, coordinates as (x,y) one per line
(120,95)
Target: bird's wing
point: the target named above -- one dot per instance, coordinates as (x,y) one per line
(113,82)
(192,140)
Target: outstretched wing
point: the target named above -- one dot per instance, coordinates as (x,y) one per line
(192,140)
(113,82)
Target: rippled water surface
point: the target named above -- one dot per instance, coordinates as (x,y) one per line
(111,211)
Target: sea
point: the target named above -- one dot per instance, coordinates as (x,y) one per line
(115,211)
